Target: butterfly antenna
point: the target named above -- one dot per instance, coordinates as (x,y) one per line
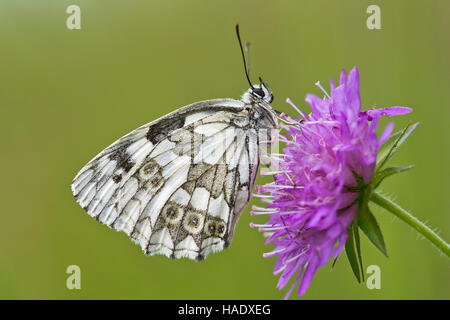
(247,71)
(247,56)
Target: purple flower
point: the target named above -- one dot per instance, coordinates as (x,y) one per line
(314,197)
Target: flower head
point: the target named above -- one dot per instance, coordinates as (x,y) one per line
(313,200)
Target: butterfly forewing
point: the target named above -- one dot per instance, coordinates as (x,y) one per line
(178,185)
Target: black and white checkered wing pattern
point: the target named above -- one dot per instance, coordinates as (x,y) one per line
(178,185)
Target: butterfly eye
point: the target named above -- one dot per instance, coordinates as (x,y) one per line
(259,92)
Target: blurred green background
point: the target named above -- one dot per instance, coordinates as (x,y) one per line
(67,94)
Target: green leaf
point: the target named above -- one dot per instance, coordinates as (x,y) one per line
(379,176)
(385,147)
(351,255)
(358,247)
(334,262)
(370,227)
(402,138)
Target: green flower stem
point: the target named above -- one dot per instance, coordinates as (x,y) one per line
(412,221)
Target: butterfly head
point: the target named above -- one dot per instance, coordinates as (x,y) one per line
(257,93)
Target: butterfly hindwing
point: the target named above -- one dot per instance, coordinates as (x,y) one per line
(178,185)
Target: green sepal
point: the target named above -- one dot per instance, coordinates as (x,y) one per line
(370,227)
(385,156)
(382,174)
(351,254)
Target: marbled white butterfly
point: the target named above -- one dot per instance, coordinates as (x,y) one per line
(178,185)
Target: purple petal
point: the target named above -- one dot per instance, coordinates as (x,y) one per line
(353,78)
(386,133)
(338,250)
(307,277)
(390,111)
(343,78)
(316,104)
(396,110)
(294,284)
(332,84)
(346,217)
(353,92)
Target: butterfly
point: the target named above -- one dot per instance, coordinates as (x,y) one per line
(178,185)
